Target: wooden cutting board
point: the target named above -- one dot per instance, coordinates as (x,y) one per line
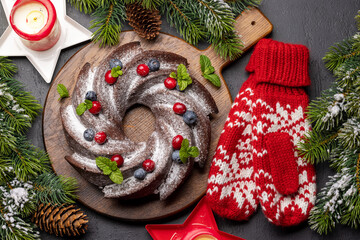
(252,25)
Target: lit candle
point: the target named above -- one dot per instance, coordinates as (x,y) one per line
(36,23)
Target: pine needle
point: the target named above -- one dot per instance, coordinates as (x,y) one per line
(108,21)
(55,189)
(7,68)
(86,6)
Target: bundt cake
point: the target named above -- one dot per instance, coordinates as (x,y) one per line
(99,132)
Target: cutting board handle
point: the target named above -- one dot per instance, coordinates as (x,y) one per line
(252,26)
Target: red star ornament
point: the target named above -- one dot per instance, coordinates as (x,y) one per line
(200,225)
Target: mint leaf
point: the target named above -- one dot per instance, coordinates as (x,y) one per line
(193,151)
(173,75)
(81,109)
(184,154)
(116,176)
(182,85)
(204,63)
(209,70)
(185,144)
(63,92)
(102,162)
(113,166)
(109,168)
(183,77)
(181,70)
(116,72)
(184,157)
(88,104)
(214,79)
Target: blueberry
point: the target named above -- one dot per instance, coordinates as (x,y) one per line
(91,95)
(140,174)
(176,156)
(190,117)
(153,65)
(115,62)
(89,134)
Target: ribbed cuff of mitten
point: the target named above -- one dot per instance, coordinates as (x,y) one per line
(280,63)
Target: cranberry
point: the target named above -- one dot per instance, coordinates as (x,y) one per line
(170,83)
(100,137)
(118,159)
(96,107)
(148,165)
(176,142)
(142,70)
(109,78)
(179,108)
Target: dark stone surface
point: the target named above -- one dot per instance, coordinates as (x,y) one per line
(317,24)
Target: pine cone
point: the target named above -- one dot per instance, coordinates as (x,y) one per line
(60,220)
(145,22)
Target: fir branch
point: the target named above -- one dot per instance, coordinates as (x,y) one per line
(348,73)
(18,229)
(7,68)
(349,134)
(316,147)
(328,111)
(18,107)
(321,222)
(329,205)
(351,216)
(352,101)
(7,139)
(17,203)
(216,16)
(108,21)
(27,161)
(179,16)
(228,46)
(86,6)
(338,53)
(54,189)
(238,6)
(6,171)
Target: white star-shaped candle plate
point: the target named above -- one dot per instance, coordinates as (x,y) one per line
(72,33)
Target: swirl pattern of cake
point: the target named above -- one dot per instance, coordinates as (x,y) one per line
(131,88)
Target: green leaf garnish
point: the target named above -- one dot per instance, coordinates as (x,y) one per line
(63,92)
(214,79)
(83,107)
(88,104)
(110,168)
(116,72)
(194,151)
(208,71)
(186,151)
(204,63)
(116,176)
(183,77)
(173,75)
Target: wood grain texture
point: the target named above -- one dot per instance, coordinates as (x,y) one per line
(252,25)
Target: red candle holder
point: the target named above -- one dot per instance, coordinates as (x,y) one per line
(199,225)
(47,36)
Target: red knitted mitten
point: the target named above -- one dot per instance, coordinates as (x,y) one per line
(231,188)
(285,183)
